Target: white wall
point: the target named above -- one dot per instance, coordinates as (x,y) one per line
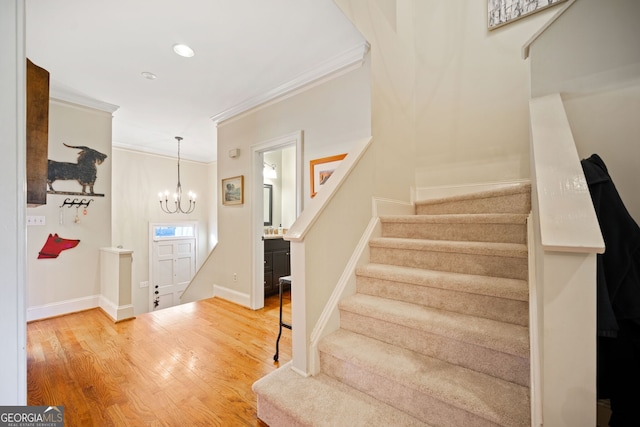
(448,91)
(590,55)
(332,115)
(137,179)
(472,94)
(275,158)
(288,200)
(607,123)
(592,46)
(72,280)
(284,186)
(388,27)
(13,358)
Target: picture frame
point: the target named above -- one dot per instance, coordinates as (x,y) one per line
(502,12)
(233,190)
(322,169)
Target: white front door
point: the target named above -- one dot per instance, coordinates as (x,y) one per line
(173,264)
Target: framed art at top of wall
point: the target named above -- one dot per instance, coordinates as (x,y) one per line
(322,169)
(502,12)
(233,190)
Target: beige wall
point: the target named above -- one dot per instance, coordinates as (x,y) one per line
(74,275)
(72,281)
(332,115)
(472,94)
(389,31)
(137,179)
(446,91)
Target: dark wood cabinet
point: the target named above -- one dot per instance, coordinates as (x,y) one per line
(276,263)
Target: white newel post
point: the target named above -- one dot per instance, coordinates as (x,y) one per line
(115,283)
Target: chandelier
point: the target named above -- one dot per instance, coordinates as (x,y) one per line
(177,196)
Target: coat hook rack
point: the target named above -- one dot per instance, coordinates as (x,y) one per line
(77,203)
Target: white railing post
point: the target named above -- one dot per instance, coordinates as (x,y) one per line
(567,239)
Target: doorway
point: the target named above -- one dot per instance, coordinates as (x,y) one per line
(172,264)
(289,148)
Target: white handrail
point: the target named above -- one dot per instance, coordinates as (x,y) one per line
(313,210)
(568,221)
(562,285)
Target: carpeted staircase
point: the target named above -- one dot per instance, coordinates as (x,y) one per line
(436,334)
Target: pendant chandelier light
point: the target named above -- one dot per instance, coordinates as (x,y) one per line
(177,196)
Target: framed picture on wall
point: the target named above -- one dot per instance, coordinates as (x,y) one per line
(502,12)
(233,190)
(322,169)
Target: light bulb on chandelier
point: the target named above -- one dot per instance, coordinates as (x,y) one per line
(177,196)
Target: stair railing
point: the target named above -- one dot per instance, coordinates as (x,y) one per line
(566,238)
(323,239)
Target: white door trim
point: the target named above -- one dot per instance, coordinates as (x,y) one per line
(257,154)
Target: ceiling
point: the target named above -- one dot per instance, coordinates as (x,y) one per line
(245,50)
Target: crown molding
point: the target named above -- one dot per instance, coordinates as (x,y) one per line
(165,154)
(329,68)
(65,94)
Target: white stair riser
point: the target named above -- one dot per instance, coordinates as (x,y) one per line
(415,402)
(494,266)
(273,415)
(514,203)
(498,233)
(500,365)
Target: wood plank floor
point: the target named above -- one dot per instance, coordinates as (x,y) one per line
(192,364)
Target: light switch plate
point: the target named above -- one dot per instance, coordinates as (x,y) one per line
(36,220)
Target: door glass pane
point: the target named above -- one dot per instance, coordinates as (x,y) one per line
(173,231)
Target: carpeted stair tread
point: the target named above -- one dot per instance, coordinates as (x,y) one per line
(500,192)
(366,361)
(505,228)
(499,287)
(499,218)
(322,401)
(499,336)
(513,250)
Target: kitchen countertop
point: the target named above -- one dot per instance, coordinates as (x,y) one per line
(273,236)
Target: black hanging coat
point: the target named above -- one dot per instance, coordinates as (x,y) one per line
(618,281)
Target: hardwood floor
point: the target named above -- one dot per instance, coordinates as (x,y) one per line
(192,364)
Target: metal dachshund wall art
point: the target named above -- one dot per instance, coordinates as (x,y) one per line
(85,171)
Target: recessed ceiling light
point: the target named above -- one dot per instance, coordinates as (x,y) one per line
(148,75)
(183,50)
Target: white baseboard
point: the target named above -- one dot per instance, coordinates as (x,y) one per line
(62,307)
(231,295)
(117,313)
(438,192)
(383,207)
